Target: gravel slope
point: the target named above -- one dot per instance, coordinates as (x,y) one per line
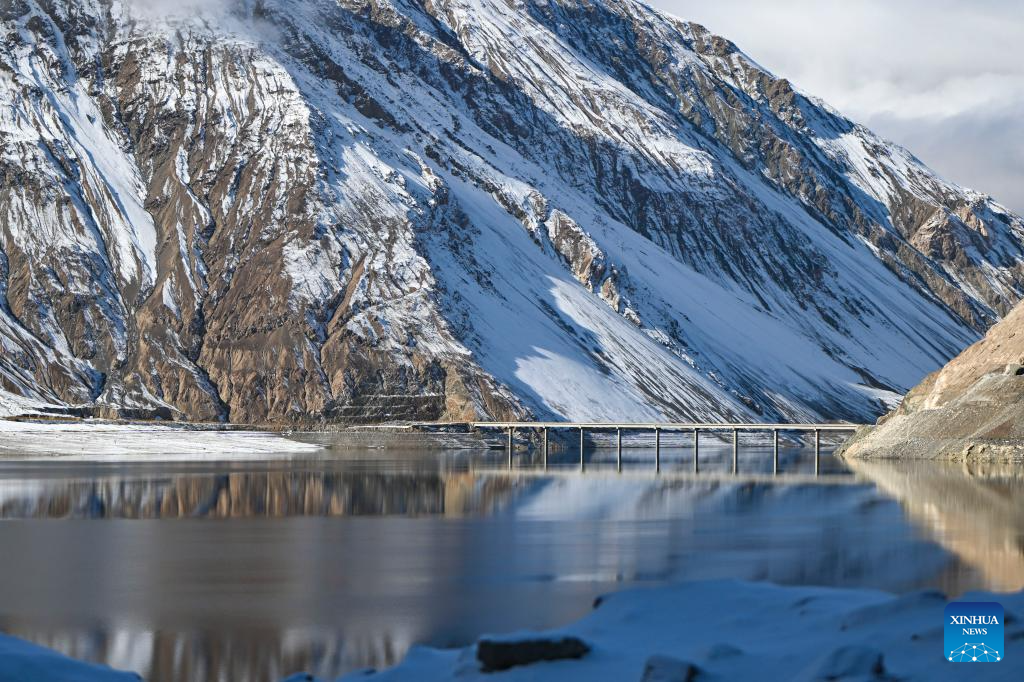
(971,409)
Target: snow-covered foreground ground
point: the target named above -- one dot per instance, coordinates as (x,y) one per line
(107,442)
(721,630)
(21,661)
(734,630)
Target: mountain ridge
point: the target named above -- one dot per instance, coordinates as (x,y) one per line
(358,211)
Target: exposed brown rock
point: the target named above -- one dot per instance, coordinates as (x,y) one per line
(971,409)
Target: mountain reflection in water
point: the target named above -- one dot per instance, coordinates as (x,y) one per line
(976,511)
(247,494)
(255,571)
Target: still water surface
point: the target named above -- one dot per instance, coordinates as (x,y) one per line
(252,571)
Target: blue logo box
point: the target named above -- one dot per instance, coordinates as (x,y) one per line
(974,632)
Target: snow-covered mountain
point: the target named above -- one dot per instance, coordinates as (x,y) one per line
(277,210)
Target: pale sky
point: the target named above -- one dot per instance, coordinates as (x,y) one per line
(944,78)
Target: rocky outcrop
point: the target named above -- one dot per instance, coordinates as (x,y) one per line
(971,409)
(273,211)
(501,654)
(668,669)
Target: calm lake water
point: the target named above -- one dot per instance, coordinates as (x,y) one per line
(252,571)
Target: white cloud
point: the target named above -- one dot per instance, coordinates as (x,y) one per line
(158,9)
(945,78)
(234,18)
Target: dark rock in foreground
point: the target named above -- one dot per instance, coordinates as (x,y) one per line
(497,655)
(668,669)
(852,662)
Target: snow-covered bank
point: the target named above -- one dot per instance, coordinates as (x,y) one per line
(108,441)
(733,630)
(22,661)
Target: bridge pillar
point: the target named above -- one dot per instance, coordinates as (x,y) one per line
(775,458)
(545,448)
(510,429)
(657,450)
(582,461)
(735,451)
(817,452)
(618,450)
(696,450)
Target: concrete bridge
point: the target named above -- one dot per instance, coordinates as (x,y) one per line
(658,428)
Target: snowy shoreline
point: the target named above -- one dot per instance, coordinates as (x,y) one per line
(111,441)
(737,630)
(721,630)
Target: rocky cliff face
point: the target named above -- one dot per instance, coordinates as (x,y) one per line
(338,210)
(971,409)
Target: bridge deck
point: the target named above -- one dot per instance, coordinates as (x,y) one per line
(665,426)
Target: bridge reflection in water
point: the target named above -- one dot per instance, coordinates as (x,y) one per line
(465,483)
